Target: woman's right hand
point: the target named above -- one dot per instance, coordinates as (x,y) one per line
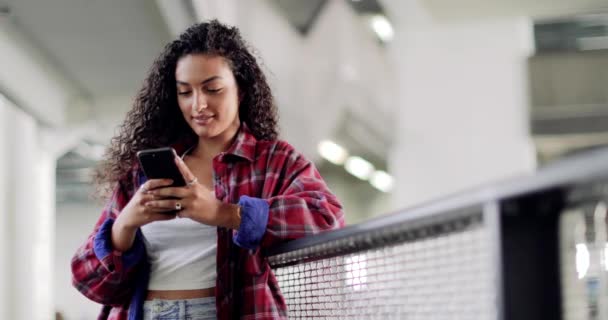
(136,214)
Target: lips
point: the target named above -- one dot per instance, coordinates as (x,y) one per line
(203,119)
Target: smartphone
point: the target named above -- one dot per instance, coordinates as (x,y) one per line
(160,164)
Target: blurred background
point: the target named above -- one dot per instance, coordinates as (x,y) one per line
(398,102)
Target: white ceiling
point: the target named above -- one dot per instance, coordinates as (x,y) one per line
(118,58)
(449,10)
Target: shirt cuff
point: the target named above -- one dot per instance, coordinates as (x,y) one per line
(254,219)
(112,259)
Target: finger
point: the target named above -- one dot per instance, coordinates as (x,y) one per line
(151,210)
(156,183)
(161,216)
(175,192)
(183,168)
(167,205)
(146,198)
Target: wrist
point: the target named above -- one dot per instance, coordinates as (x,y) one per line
(120,224)
(122,236)
(231,215)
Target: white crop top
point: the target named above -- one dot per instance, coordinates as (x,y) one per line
(181,253)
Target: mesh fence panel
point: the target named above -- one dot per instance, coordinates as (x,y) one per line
(448,275)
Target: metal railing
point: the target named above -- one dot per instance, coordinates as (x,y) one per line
(529,248)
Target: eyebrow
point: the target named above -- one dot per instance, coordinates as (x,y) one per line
(203,82)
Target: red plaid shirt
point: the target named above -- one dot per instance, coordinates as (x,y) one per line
(299,204)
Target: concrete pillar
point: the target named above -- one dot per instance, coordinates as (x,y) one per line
(5,216)
(463,108)
(27,207)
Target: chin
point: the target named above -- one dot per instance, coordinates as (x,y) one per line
(205,132)
(210,131)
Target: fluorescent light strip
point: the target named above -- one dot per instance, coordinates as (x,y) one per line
(382,181)
(582,260)
(332,152)
(359,167)
(356,166)
(382,27)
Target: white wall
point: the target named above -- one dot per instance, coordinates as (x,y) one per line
(463,111)
(26,221)
(74,222)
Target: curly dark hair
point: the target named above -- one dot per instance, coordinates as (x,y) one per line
(155,119)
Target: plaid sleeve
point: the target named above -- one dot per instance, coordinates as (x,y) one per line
(301,203)
(98,271)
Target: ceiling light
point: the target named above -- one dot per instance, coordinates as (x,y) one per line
(382,27)
(332,152)
(359,167)
(382,181)
(606,256)
(582,260)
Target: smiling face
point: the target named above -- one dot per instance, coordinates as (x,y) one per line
(208,96)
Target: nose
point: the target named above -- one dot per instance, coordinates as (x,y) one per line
(199,102)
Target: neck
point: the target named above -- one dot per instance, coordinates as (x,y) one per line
(208,148)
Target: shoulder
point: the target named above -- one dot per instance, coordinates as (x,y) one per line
(281,157)
(277,149)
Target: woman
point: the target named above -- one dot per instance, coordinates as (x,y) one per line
(207,98)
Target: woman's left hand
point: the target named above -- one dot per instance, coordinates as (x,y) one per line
(194,201)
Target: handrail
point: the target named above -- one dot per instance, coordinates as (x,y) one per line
(572,170)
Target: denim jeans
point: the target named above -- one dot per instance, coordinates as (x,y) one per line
(188,309)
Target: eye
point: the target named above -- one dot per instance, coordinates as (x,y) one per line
(214,90)
(184,93)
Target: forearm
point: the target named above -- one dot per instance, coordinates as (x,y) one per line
(122,236)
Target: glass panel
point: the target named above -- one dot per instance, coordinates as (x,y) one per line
(584,266)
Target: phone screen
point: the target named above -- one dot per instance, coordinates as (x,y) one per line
(160,164)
